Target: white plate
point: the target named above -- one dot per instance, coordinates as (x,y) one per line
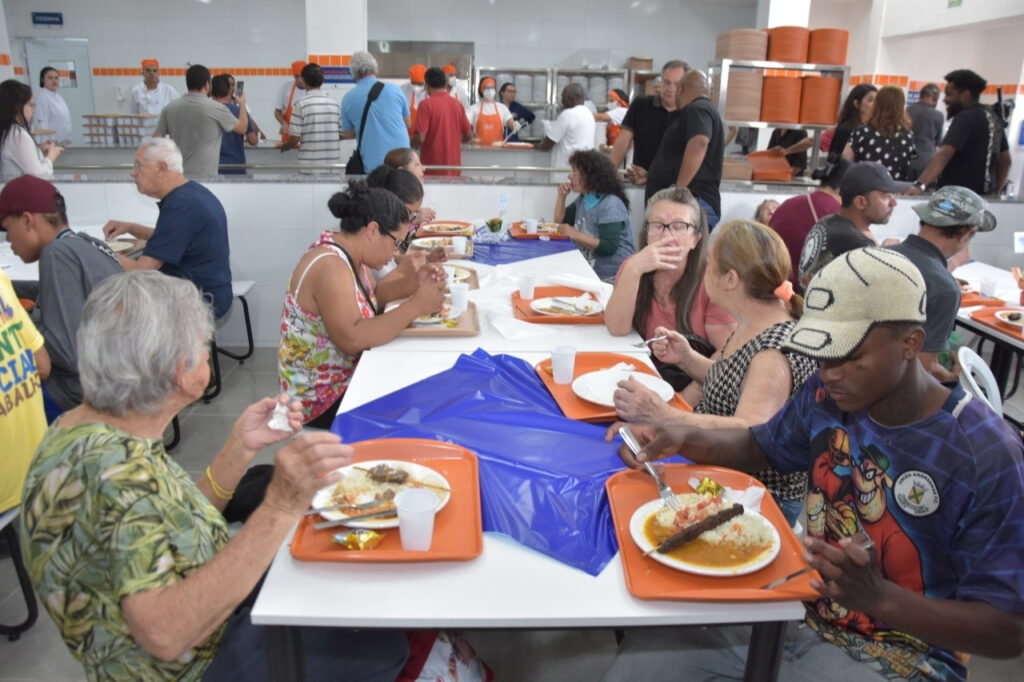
(120,245)
(549,306)
(1003,316)
(431,243)
(599,387)
(417,472)
(547,228)
(433,320)
(446,228)
(636,529)
(461,274)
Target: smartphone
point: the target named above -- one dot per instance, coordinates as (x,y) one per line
(239,87)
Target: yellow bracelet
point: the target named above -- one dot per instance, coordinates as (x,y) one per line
(221,493)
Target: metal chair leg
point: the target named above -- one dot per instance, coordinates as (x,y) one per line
(13,632)
(248,332)
(213,392)
(175,435)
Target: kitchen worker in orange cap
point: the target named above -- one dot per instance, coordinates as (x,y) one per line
(618,105)
(290,93)
(489,118)
(415,92)
(452,85)
(151,96)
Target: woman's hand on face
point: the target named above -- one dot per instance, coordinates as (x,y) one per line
(564,189)
(659,255)
(634,402)
(304,466)
(251,427)
(673,348)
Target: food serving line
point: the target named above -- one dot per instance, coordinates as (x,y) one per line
(533,465)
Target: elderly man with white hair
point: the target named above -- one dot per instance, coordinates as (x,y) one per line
(190,239)
(386,113)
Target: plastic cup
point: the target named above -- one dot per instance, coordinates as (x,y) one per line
(563,361)
(459,245)
(460,295)
(416,510)
(988,288)
(527,284)
(531,226)
(449,274)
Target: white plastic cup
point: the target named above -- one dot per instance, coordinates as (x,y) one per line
(460,295)
(563,362)
(527,284)
(988,288)
(449,274)
(531,226)
(416,510)
(459,245)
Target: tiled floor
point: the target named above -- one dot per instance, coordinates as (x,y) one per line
(538,656)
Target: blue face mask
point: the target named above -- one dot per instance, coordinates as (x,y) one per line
(590,200)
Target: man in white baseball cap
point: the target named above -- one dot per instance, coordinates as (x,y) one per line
(915,532)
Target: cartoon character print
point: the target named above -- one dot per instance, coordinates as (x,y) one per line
(831,466)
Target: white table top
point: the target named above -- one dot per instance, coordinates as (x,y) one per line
(507,586)
(1006,288)
(15,269)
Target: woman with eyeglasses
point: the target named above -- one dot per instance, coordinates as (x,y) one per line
(662,286)
(19,154)
(752,376)
(598,220)
(332,309)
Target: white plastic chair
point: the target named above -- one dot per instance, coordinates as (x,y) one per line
(973,372)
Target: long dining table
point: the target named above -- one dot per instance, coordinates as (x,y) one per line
(1007,345)
(508,586)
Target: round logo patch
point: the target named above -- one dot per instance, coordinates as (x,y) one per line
(813,246)
(916,493)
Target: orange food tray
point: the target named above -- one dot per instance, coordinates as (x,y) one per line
(579,409)
(463,228)
(518,231)
(973,298)
(987,317)
(523,311)
(458,529)
(647,579)
(769,167)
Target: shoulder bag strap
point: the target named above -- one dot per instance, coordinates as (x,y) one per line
(810,202)
(374,94)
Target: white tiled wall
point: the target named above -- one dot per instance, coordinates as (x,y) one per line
(218,33)
(546,33)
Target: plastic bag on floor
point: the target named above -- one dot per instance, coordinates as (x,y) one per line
(443,656)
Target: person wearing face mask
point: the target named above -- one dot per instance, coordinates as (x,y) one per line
(415,91)
(452,85)
(489,118)
(618,105)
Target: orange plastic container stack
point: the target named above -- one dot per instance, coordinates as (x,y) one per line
(769,167)
(780,99)
(828,46)
(819,100)
(743,43)
(788,44)
(743,100)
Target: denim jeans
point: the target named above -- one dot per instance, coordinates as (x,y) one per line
(713,217)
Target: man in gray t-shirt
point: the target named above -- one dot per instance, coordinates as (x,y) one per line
(196,122)
(71,264)
(926,123)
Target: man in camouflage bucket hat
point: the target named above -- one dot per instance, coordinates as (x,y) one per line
(948,221)
(922,557)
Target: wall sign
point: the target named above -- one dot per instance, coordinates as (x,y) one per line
(337,74)
(52,19)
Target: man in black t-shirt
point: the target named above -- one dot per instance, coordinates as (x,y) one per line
(692,149)
(974,153)
(646,121)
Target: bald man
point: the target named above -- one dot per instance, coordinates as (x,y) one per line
(691,151)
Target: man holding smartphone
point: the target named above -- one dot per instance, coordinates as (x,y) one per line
(232,144)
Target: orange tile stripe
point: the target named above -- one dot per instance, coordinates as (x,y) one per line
(330,59)
(880,79)
(171,71)
(5,59)
(19,71)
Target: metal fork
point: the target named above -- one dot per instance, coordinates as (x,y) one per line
(663,489)
(650,341)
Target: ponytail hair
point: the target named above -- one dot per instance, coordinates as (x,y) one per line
(358,205)
(759,256)
(398,181)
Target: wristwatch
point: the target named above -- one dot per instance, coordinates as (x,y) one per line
(921,186)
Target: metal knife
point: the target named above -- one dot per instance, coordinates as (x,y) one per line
(350,519)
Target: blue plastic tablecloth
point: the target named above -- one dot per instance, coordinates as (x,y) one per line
(541,475)
(515,250)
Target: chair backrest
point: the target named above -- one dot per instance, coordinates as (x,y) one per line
(9,516)
(973,372)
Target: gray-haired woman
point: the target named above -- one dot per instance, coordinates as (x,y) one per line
(130,556)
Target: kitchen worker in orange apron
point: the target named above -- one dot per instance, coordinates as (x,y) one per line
(415,92)
(488,118)
(618,105)
(287,96)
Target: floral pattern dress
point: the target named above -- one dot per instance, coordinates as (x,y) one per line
(311,368)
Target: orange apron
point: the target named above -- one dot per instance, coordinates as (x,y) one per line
(489,127)
(288,111)
(612,133)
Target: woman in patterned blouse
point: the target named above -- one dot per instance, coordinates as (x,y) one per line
(886,137)
(751,377)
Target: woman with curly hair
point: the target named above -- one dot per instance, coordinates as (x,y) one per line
(886,137)
(598,220)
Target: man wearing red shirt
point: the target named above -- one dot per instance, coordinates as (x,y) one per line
(441,126)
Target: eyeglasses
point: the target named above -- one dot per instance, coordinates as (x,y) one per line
(398,244)
(677,227)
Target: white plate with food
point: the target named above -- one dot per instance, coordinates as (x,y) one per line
(547,228)
(566,305)
(378,479)
(120,245)
(1010,316)
(431,243)
(740,545)
(446,227)
(599,387)
(460,274)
